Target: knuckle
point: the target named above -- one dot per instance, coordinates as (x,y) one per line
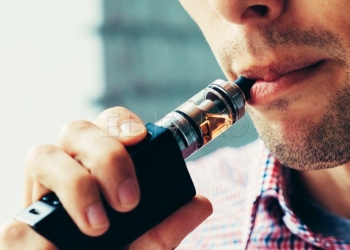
(72,127)
(158,241)
(84,183)
(115,154)
(116,158)
(13,231)
(35,153)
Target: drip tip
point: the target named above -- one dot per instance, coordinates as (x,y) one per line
(245,85)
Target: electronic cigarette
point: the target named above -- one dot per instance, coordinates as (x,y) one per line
(164,181)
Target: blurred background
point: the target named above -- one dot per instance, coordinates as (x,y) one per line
(67,60)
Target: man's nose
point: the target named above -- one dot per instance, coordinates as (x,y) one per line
(249,12)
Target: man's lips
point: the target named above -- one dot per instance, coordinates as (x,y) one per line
(271,81)
(274,71)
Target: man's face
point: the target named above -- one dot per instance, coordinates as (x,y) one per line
(299,52)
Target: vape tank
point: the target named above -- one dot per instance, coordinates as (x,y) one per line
(206,115)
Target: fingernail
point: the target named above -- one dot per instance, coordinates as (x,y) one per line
(130,128)
(97,216)
(128,193)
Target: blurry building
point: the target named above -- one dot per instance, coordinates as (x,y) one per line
(155,59)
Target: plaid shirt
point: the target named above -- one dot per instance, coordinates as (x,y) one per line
(246,187)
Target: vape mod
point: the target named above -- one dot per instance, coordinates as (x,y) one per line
(163,178)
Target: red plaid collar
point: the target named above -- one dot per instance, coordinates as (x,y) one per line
(276,183)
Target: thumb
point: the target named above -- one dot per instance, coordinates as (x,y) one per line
(170,232)
(122,124)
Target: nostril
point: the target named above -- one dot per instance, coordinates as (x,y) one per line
(261,10)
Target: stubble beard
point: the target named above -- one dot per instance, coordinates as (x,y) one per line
(312,146)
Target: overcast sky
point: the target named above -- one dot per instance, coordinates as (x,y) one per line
(50,73)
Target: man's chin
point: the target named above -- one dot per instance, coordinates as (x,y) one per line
(303,159)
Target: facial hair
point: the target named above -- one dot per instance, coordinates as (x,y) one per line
(313,145)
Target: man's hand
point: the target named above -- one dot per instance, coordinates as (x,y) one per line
(90,160)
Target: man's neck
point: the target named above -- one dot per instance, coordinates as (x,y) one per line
(330,188)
